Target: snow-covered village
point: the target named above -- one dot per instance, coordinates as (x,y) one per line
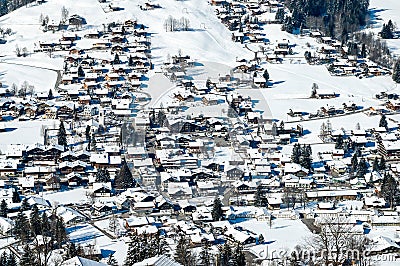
(195,132)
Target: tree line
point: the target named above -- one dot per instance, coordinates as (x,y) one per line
(7,6)
(336,18)
(172,24)
(377,49)
(302,155)
(144,246)
(226,254)
(39,235)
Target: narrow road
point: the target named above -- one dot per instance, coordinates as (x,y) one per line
(13,250)
(311,226)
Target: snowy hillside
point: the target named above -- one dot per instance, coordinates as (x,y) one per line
(194,115)
(381,12)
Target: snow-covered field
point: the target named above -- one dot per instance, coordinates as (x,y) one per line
(283,234)
(42,79)
(381,12)
(24,132)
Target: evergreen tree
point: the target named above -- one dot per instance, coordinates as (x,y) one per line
(3,258)
(208,83)
(382,163)
(363,51)
(225,254)
(280,15)
(216,211)
(87,133)
(314,90)
(396,72)
(239,258)
(305,158)
(339,142)
(389,189)
(259,197)
(261,239)
(15,197)
(11,260)
(354,162)
(113,224)
(205,256)
(357,151)
(288,25)
(3,7)
(323,132)
(80,251)
(130,61)
(161,118)
(362,168)
(346,146)
(25,205)
(266,77)
(160,245)
(72,250)
(308,56)
(116,59)
(50,95)
(383,122)
(375,165)
(124,179)
(134,250)
(3,208)
(21,227)
(183,254)
(81,73)
(387,31)
(390,25)
(93,143)
(103,175)
(28,257)
(282,125)
(296,153)
(62,135)
(35,221)
(59,233)
(46,228)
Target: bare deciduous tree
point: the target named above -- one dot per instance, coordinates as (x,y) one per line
(17,50)
(64,15)
(337,242)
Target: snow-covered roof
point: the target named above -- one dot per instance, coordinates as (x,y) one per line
(26,182)
(68,214)
(79,261)
(382,243)
(97,186)
(175,187)
(161,260)
(99,158)
(6,224)
(237,235)
(374,201)
(134,221)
